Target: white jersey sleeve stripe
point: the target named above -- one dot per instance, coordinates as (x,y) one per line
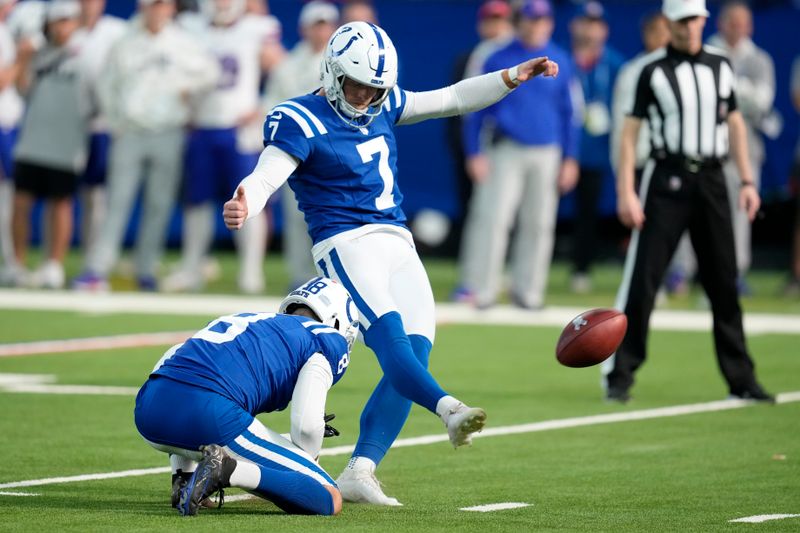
(308,114)
(317,328)
(396,93)
(294,115)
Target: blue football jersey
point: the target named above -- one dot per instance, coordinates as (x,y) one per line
(254,358)
(347,175)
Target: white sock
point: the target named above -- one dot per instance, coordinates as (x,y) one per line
(444,406)
(361,463)
(179,462)
(246,475)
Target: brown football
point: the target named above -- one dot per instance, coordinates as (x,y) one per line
(591,337)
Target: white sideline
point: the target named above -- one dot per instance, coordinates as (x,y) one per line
(625,416)
(446,313)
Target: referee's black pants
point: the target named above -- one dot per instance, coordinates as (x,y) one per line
(675,199)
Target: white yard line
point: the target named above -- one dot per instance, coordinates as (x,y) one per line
(757,519)
(446,313)
(109,342)
(495,507)
(625,416)
(19,494)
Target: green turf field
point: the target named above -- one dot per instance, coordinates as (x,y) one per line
(682,473)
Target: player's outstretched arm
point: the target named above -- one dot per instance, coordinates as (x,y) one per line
(473,94)
(538,66)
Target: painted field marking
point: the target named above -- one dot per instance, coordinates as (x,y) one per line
(446,313)
(45,384)
(19,494)
(85,344)
(757,519)
(488,508)
(644,414)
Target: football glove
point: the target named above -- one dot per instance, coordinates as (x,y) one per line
(330,431)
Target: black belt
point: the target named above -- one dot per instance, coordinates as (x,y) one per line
(689,163)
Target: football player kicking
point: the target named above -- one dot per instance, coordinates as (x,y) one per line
(200,401)
(338,145)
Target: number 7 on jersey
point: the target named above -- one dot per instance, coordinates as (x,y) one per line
(367,151)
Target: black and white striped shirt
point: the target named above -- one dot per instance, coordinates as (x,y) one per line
(686,100)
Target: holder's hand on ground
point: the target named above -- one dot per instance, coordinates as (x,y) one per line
(538,66)
(234,212)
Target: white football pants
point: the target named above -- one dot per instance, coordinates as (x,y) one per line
(379,265)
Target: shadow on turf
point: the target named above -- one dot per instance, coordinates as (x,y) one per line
(150,507)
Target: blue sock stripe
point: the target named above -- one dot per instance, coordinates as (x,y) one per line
(288,454)
(324,268)
(362,306)
(255,458)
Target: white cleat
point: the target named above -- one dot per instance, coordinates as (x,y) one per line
(462,422)
(361,486)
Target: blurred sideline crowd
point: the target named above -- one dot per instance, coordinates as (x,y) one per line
(171,104)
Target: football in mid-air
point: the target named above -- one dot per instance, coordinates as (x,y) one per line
(591,337)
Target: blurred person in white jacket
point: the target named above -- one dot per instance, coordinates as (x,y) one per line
(11,108)
(298,75)
(50,153)
(218,155)
(145,90)
(97,34)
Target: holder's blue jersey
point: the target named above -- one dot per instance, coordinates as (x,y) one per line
(346,177)
(254,358)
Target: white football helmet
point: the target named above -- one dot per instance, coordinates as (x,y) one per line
(330,301)
(223,12)
(364,53)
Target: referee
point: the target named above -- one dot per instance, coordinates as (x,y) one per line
(686,93)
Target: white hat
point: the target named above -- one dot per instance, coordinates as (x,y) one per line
(318,11)
(681,9)
(63,9)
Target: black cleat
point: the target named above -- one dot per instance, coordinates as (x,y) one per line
(213,474)
(618,395)
(755,393)
(179,480)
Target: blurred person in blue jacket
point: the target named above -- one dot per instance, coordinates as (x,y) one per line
(597,66)
(534,137)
